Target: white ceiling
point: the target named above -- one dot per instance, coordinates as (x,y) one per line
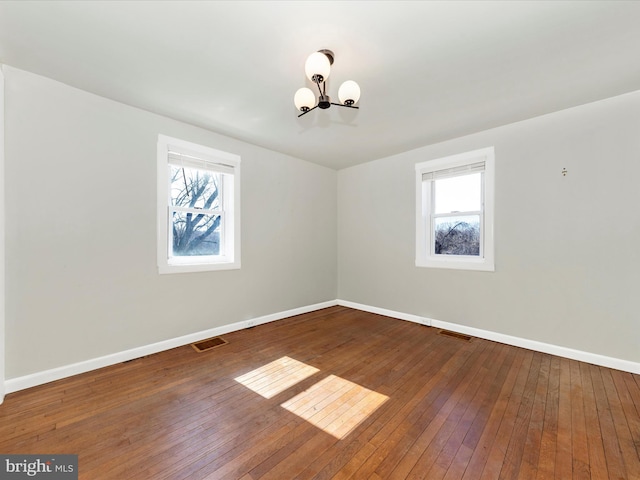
(429,71)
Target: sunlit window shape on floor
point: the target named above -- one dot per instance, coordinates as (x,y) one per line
(335,405)
(275,377)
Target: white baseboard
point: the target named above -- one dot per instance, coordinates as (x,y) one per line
(39,378)
(587,357)
(387,313)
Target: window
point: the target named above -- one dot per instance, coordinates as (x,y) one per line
(198,207)
(454,211)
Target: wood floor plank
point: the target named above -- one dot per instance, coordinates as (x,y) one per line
(621,423)
(337,394)
(489,432)
(546,458)
(533,435)
(418,366)
(597,460)
(496,457)
(494,386)
(613,455)
(431,440)
(579,445)
(564,460)
(353,463)
(396,446)
(454,457)
(518,438)
(629,407)
(436,460)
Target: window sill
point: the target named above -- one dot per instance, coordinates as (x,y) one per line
(482,265)
(198,267)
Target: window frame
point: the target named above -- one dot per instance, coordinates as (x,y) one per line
(425,215)
(202,158)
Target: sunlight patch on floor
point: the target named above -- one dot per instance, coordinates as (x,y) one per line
(335,405)
(277,376)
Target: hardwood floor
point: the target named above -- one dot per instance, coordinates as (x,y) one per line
(337,394)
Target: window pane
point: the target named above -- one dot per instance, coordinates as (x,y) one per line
(457,235)
(458,194)
(195,188)
(195,234)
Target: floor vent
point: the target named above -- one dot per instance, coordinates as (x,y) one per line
(208,344)
(460,336)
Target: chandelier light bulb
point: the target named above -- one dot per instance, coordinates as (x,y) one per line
(349,93)
(304,99)
(318,66)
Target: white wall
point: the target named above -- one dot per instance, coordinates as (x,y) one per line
(82,279)
(567,247)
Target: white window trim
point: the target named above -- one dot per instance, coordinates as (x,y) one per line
(228,163)
(424,254)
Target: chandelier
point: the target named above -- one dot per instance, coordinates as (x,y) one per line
(317,67)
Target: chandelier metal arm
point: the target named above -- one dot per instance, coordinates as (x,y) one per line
(307,111)
(343,105)
(332,103)
(315,80)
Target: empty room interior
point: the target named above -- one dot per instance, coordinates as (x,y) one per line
(320,240)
